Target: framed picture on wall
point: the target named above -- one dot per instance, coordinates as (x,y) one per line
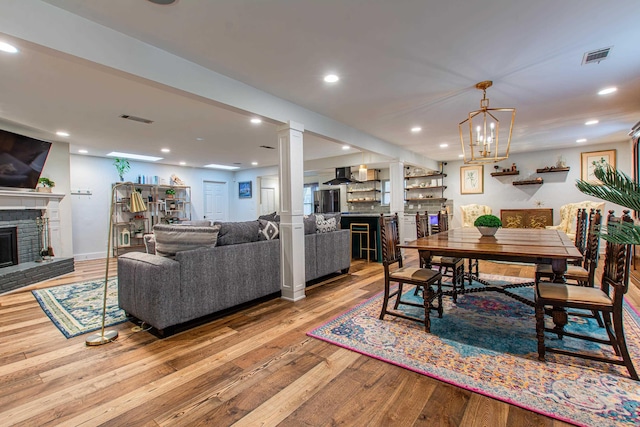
(587,166)
(472,179)
(244,190)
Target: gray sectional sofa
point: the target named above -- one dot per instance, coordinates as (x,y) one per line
(165,291)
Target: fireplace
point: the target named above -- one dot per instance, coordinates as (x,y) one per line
(8,246)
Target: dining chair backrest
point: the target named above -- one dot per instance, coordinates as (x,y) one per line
(617,262)
(443,221)
(422,224)
(390,239)
(592,246)
(581,229)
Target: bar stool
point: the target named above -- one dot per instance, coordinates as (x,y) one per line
(362,231)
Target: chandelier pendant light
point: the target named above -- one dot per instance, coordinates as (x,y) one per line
(483,143)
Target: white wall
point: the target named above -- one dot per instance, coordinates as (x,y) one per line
(96,174)
(558,188)
(56,168)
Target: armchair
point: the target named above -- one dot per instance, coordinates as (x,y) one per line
(568,215)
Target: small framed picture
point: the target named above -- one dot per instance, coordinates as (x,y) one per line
(244,190)
(587,166)
(472,179)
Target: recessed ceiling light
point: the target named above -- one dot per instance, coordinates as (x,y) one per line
(62,133)
(416,129)
(6,47)
(591,122)
(134,156)
(165,150)
(183,163)
(331,78)
(254,163)
(346,147)
(256,121)
(444,145)
(225,167)
(199,139)
(163,2)
(460,155)
(82,151)
(581,140)
(607,91)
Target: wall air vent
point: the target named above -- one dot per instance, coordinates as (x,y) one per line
(136,119)
(595,56)
(267,147)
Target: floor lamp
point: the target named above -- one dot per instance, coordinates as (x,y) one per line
(136,205)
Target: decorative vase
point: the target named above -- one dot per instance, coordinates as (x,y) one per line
(487,231)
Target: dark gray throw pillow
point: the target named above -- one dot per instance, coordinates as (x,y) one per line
(268,217)
(309,224)
(233,233)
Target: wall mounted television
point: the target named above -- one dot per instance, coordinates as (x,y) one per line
(21,160)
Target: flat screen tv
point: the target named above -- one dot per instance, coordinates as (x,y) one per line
(21,160)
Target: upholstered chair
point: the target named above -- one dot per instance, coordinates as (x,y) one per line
(568,215)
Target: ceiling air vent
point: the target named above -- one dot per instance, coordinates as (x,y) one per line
(267,147)
(595,56)
(136,119)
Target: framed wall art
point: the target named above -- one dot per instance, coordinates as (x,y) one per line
(472,179)
(244,190)
(587,167)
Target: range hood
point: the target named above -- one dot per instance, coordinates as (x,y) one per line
(343,176)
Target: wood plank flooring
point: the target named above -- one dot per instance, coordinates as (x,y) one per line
(254,367)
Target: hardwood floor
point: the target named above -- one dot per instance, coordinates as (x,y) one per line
(254,367)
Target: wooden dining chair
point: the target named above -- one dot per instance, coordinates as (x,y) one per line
(395,271)
(583,224)
(448,266)
(583,274)
(606,299)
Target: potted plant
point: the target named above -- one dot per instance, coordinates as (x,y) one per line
(487,225)
(122,166)
(47,184)
(170,193)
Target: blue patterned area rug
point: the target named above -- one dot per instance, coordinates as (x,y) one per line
(486,343)
(77,308)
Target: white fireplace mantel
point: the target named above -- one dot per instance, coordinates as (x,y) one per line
(10,200)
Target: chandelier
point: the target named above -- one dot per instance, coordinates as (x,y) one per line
(482,145)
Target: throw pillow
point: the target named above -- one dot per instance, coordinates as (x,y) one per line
(325,225)
(233,233)
(309,224)
(171,239)
(268,217)
(268,230)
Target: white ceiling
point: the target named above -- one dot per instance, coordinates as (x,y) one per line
(402,63)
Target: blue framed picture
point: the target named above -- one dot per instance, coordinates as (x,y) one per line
(244,190)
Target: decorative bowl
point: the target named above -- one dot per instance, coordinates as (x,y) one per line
(487,231)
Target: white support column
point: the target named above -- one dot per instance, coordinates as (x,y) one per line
(291,171)
(396,178)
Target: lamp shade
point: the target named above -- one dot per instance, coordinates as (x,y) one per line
(137,204)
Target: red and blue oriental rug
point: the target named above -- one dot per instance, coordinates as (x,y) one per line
(486,343)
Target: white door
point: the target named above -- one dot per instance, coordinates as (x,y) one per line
(268,198)
(216,201)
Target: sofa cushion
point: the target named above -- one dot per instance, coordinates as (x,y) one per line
(268,230)
(197,223)
(233,233)
(336,215)
(324,225)
(171,239)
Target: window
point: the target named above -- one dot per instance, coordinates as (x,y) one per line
(386,192)
(308,197)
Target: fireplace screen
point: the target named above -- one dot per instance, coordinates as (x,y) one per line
(8,246)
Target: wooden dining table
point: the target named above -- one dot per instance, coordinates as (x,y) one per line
(538,246)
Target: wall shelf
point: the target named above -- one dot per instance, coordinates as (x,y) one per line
(424,199)
(505,173)
(528,182)
(553,169)
(434,176)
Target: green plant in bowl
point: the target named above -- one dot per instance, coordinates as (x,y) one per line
(487,225)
